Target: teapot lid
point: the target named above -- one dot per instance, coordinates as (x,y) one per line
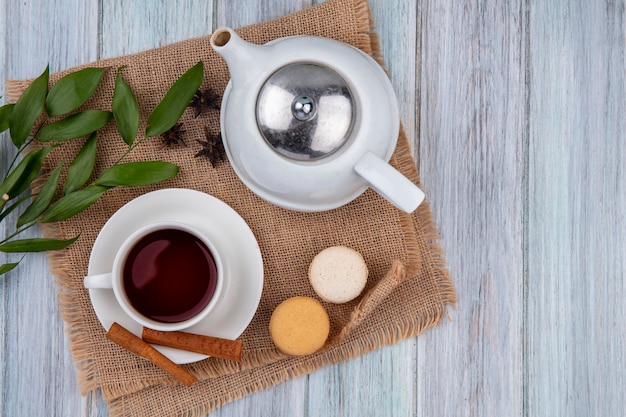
(305,111)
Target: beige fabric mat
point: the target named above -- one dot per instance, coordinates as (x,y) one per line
(401,301)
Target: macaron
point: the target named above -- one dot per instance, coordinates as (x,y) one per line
(338,274)
(299,326)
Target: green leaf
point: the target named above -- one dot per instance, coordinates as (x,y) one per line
(43,199)
(137,173)
(72,204)
(13,206)
(36,245)
(24,173)
(73,90)
(4,268)
(74,126)
(125,110)
(28,108)
(5,116)
(173,105)
(81,167)
(32,170)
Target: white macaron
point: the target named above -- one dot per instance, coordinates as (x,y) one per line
(338,274)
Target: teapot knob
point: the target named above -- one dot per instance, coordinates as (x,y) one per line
(303,108)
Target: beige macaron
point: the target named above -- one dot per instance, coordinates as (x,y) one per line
(338,274)
(299,326)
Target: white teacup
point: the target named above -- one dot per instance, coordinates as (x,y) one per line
(166,276)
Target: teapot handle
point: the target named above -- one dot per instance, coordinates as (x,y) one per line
(389,183)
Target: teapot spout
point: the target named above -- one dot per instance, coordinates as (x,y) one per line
(241,57)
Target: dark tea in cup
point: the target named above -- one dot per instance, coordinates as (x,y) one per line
(169,275)
(166,276)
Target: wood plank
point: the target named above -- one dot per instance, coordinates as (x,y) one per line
(576,259)
(5,159)
(129,27)
(148,34)
(472,121)
(397,25)
(362,386)
(38,373)
(246,12)
(381,382)
(288,398)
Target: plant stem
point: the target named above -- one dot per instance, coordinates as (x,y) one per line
(4,213)
(130,149)
(17,154)
(24,146)
(17,232)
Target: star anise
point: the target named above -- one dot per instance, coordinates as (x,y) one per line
(212,147)
(204,100)
(174,135)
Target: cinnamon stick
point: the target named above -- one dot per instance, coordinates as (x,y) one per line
(134,344)
(212,346)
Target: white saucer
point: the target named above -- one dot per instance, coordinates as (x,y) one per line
(243,265)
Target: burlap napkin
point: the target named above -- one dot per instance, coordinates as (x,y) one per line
(408,287)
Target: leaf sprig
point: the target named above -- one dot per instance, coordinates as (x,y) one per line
(63,102)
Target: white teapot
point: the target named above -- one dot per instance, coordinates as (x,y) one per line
(309,123)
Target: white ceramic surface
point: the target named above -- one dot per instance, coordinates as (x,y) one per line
(329,182)
(241,256)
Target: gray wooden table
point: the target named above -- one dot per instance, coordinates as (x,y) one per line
(517,113)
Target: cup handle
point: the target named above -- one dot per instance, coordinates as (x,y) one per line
(99,281)
(389,182)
